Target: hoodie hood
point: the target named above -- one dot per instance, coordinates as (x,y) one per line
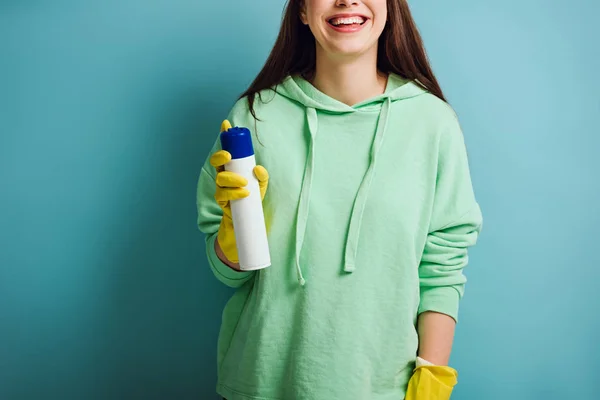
(301,91)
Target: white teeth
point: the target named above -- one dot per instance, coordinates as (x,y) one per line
(347,21)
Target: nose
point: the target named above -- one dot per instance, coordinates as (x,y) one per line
(346,3)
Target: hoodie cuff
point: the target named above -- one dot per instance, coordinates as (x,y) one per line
(222,271)
(441,299)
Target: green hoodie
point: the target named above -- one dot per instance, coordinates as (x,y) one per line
(370,212)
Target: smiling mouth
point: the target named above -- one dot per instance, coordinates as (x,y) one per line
(341,22)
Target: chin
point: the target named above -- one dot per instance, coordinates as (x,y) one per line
(349,49)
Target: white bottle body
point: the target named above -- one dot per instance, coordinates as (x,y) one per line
(249,220)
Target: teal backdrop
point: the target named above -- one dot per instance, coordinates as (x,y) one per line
(108,109)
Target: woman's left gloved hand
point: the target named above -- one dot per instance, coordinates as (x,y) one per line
(431,382)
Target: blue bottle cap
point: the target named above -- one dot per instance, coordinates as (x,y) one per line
(238,142)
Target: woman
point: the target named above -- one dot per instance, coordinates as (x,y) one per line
(369,207)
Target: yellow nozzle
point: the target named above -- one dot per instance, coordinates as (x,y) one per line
(225,126)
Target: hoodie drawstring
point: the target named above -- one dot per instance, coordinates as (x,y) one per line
(363,191)
(361,196)
(303,206)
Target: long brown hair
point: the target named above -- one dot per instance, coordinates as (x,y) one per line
(400,51)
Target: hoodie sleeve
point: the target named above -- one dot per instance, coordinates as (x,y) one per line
(455,225)
(209,220)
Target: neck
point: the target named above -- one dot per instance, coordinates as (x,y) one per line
(349,81)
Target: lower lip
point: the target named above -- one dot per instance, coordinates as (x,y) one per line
(347,28)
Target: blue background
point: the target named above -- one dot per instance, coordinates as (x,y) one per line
(108,109)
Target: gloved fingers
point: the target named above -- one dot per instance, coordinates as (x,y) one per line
(227,179)
(225,126)
(228,194)
(219,159)
(261,174)
(263,179)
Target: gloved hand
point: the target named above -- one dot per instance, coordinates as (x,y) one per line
(431,382)
(230,186)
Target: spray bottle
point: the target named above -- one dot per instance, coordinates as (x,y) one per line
(247,213)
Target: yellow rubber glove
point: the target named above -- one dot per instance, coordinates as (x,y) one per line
(431,382)
(230,186)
